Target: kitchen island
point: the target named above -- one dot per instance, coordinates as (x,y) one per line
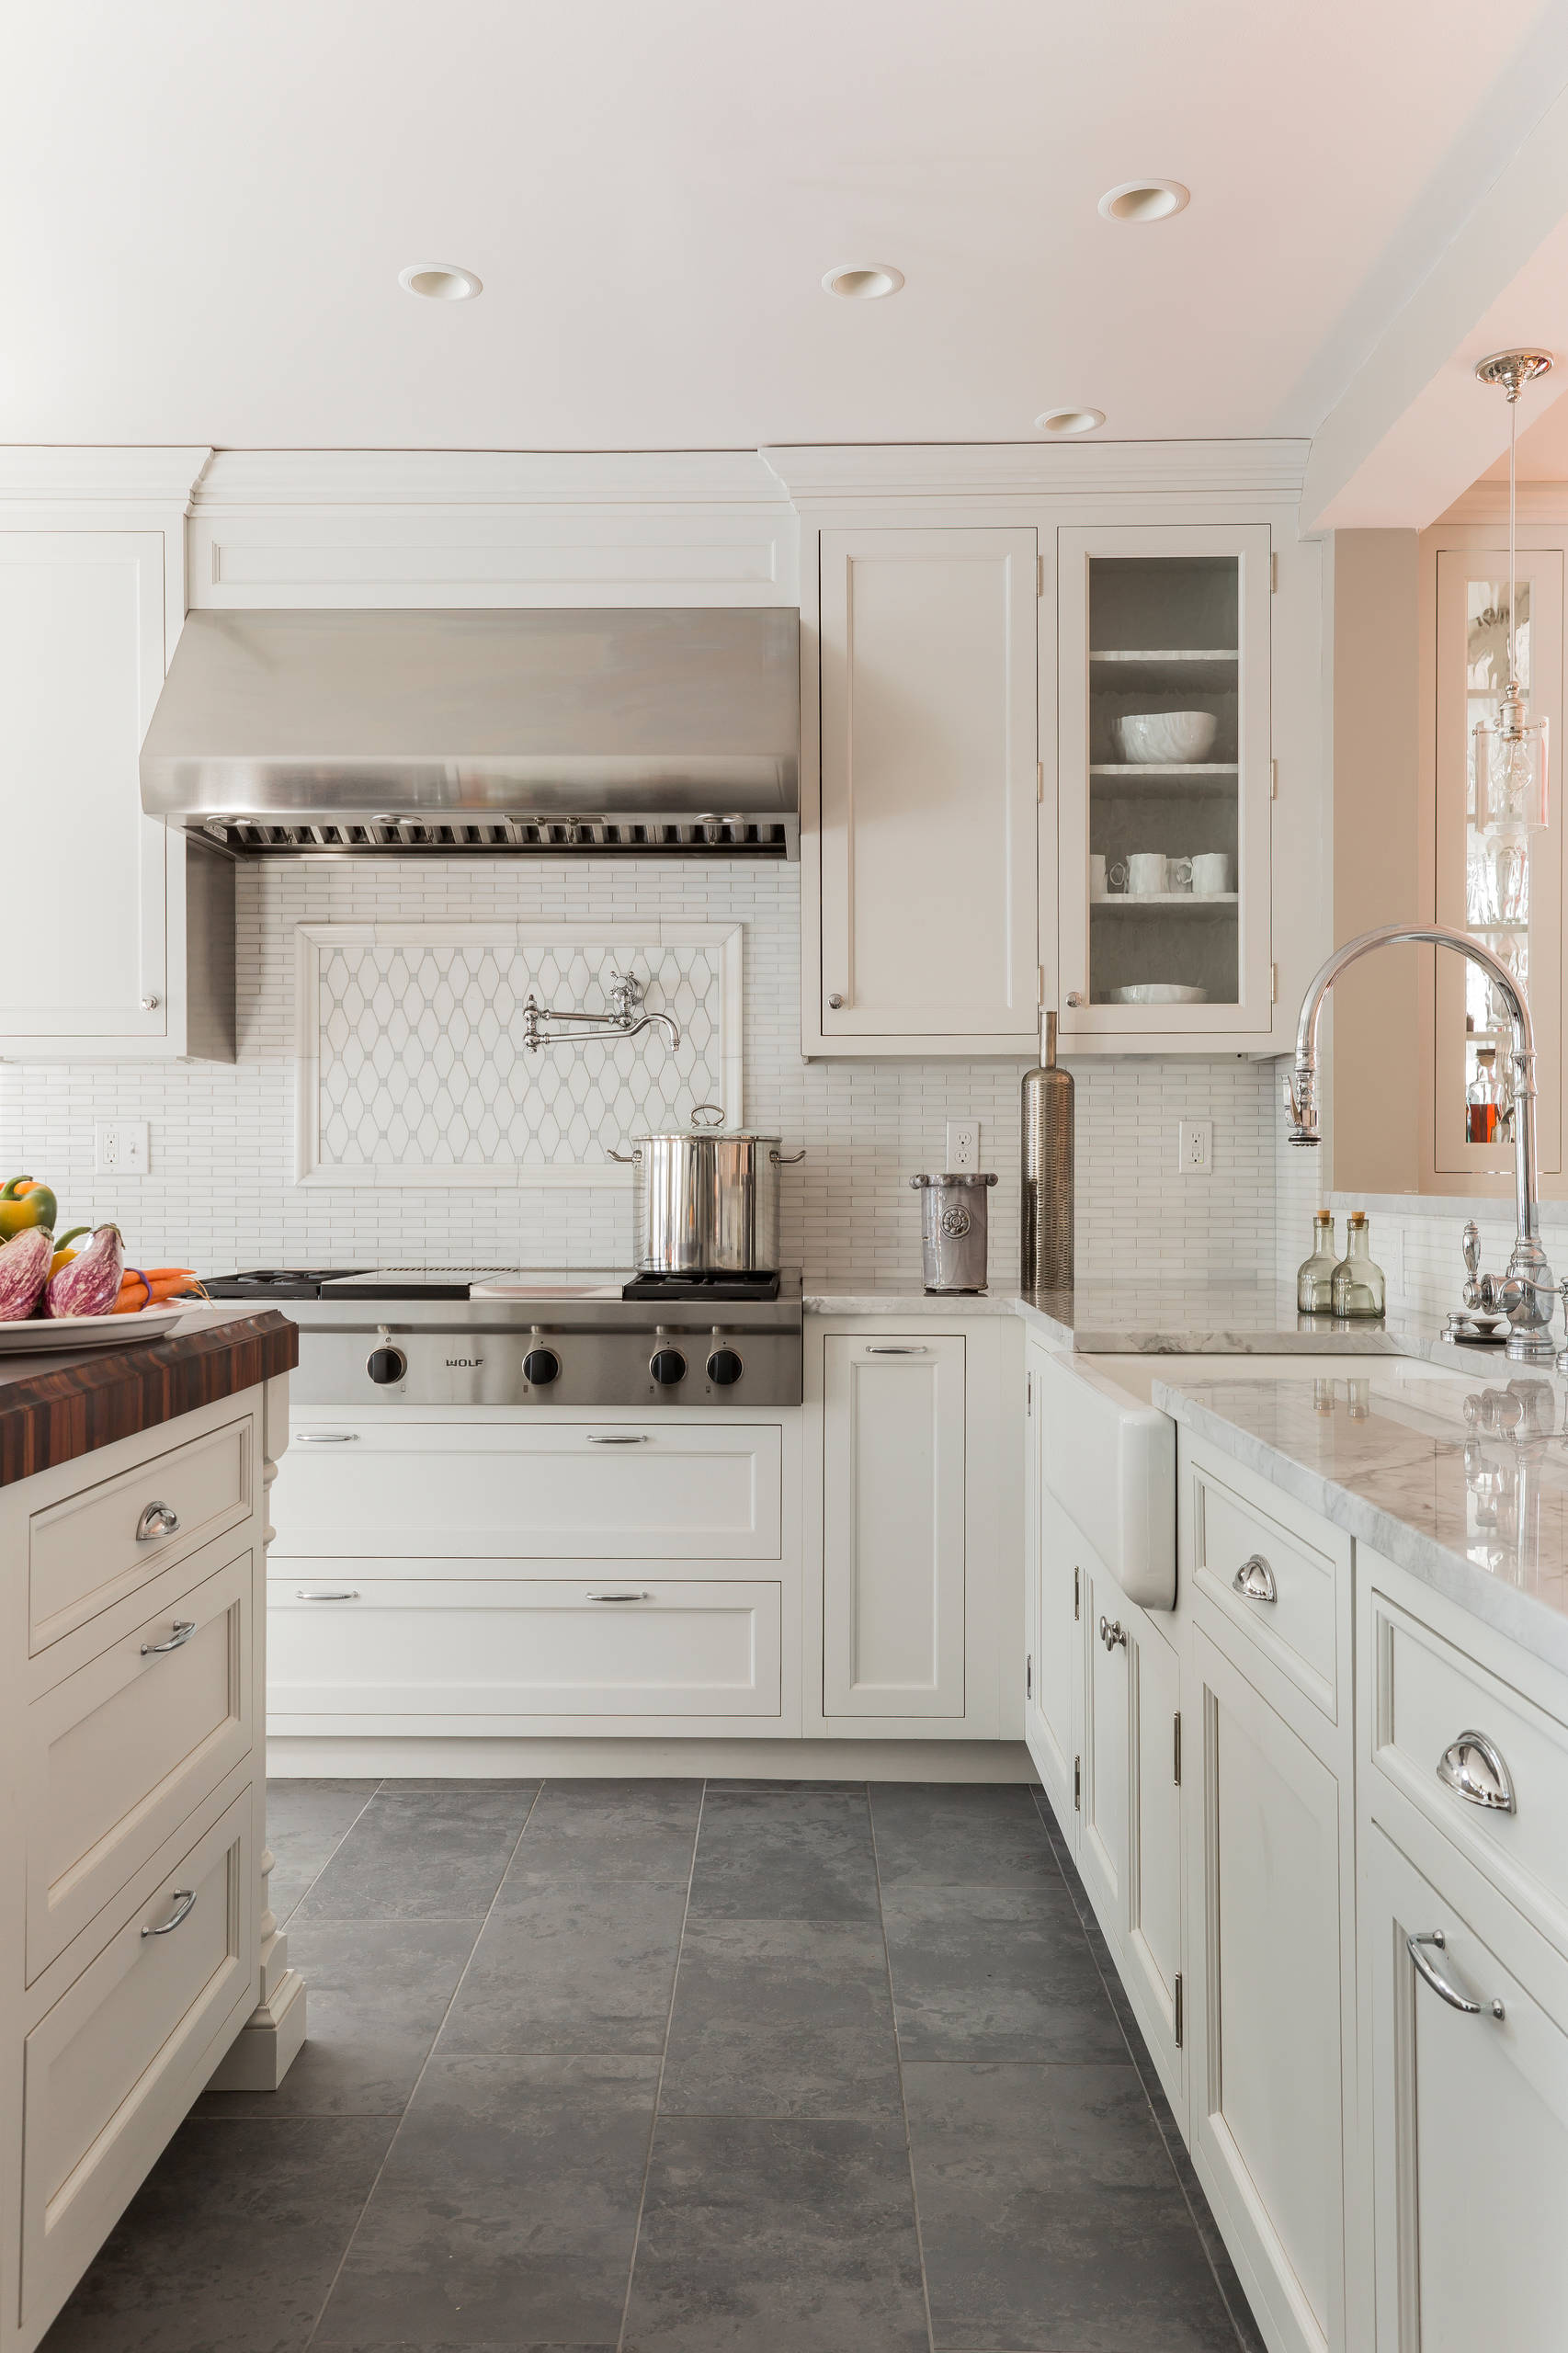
(139,1960)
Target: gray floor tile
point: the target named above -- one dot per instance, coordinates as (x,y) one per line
(231,2243)
(802,1854)
(995,1973)
(615,1830)
(767,2237)
(573,1963)
(781,2018)
(375,1993)
(306,1823)
(946,1835)
(1050,2220)
(431,1852)
(507,2208)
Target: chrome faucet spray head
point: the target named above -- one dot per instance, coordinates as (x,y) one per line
(1301,1102)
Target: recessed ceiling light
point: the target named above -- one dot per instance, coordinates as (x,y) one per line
(862,281)
(1070,420)
(1145,200)
(441,281)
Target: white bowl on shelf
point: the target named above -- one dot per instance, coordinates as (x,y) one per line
(1167,737)
(1156,993)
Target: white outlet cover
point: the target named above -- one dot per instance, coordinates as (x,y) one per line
(120,1147)
(1195,1147)
(964,1144)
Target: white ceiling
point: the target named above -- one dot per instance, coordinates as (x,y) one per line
(208,207)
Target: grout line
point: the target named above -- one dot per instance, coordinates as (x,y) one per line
(659,2086)
(310,1888)
(403,2118)
(898,2063)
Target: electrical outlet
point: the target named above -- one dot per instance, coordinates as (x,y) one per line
(120,1147)
(963,1145)
(1195,1147)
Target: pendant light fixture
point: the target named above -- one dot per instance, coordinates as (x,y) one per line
(1511,750)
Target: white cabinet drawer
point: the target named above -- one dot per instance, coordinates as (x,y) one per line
(112,2067)
(116,1756)
(1425,1697)
(467,1647)
(1274,1583)
(98,1541)
(555,1491)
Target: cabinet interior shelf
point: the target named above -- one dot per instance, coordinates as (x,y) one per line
(1191,903)
(1168,653)
(1166,671)
(1172,776)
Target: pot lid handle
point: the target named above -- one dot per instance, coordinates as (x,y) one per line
(716,1122)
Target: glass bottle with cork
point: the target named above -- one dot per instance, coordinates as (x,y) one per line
(1358,1288)
(1314,1276)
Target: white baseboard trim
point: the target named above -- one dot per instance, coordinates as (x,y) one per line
(751,1760)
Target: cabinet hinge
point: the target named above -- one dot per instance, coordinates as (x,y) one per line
(1274,984)
(1077,1574)
(1077,1785)
(1028,1677)
(1273,571)
(1176,1749)
(1274,780)
(1028,1392)
(1039,576)
(1039,779)
(1179,2006)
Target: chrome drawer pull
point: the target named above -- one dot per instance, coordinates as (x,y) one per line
(620,1596)
(185,1904)
(641,1440)
(339,1593)
(326,1438)
(1438,1982)
(873,1350)
(1256,1579)
(158,1519)
(184,1629)
(1472,1768)
(1112,1632)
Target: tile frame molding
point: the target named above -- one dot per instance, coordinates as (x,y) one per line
(725,941)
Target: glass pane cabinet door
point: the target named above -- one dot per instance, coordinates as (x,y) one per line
(1164,782)
(1495,878)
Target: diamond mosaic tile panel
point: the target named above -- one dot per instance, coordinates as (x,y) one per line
(413,1065)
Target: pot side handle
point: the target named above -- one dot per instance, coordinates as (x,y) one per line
(787,1159)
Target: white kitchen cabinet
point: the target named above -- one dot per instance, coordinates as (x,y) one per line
(926,850)
(1103,1780)
(1155,1938)
(119,939)
(1161,619)
(1054,1652)
(894,1563)
(1470,2110)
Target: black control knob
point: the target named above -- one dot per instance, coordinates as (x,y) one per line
(724,1367)
(541,1366)
(386,1365)
(667,1366)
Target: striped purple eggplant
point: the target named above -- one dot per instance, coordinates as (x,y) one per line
(89,1283)
(24,1270)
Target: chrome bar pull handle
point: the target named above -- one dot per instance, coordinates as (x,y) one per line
(158,1520)
(1256,1579)
(889,1350)
(337,1593)
(620,1596)
(326,1438)
(185,1905)
(638,1438)
(184,1629)
(1415,1946)
(1472,1768)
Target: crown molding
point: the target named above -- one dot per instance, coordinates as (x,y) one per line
(37,474)
(253,478)
(817,474)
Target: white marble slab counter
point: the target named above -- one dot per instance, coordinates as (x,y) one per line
(1196,1319)
(845,1295)
(1459,1477)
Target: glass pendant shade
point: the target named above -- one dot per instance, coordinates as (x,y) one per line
(1512,764)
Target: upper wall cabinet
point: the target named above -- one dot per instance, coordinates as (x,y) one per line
(927,841)
(1163,783)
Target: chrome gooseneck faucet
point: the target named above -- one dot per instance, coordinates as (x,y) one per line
(627,1017)
(1526,1293)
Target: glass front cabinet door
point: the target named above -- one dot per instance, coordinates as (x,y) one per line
(1164,783)
(1497,876)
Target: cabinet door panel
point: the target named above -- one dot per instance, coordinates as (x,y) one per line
(1471,2121)
(929,741)
(893,1526)
(1153,1876)
(1058,1651)
(82,949)
(1102,1855)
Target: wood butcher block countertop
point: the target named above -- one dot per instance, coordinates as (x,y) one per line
(56,1408)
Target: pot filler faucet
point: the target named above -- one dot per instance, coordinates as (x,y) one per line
(1526,1293)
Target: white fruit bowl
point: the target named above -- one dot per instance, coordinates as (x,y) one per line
(1150,736)
(1157,993)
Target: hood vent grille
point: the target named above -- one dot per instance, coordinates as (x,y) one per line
(714,836)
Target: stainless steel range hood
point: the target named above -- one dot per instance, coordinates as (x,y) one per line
(634,730)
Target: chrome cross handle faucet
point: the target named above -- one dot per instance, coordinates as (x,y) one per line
(1526,1293)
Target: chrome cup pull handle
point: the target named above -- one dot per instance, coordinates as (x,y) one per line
(1472,1768)
(184,1629)
(1431,1976)
(1256,1579)
(157,1520)
(185,1905)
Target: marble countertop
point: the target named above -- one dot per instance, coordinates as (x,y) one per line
(1126,1319)
(1459,1476)
(874,1295)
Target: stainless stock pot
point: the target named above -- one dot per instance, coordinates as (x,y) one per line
(707,1198)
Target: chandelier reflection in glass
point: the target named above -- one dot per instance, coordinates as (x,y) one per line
(1511,749)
